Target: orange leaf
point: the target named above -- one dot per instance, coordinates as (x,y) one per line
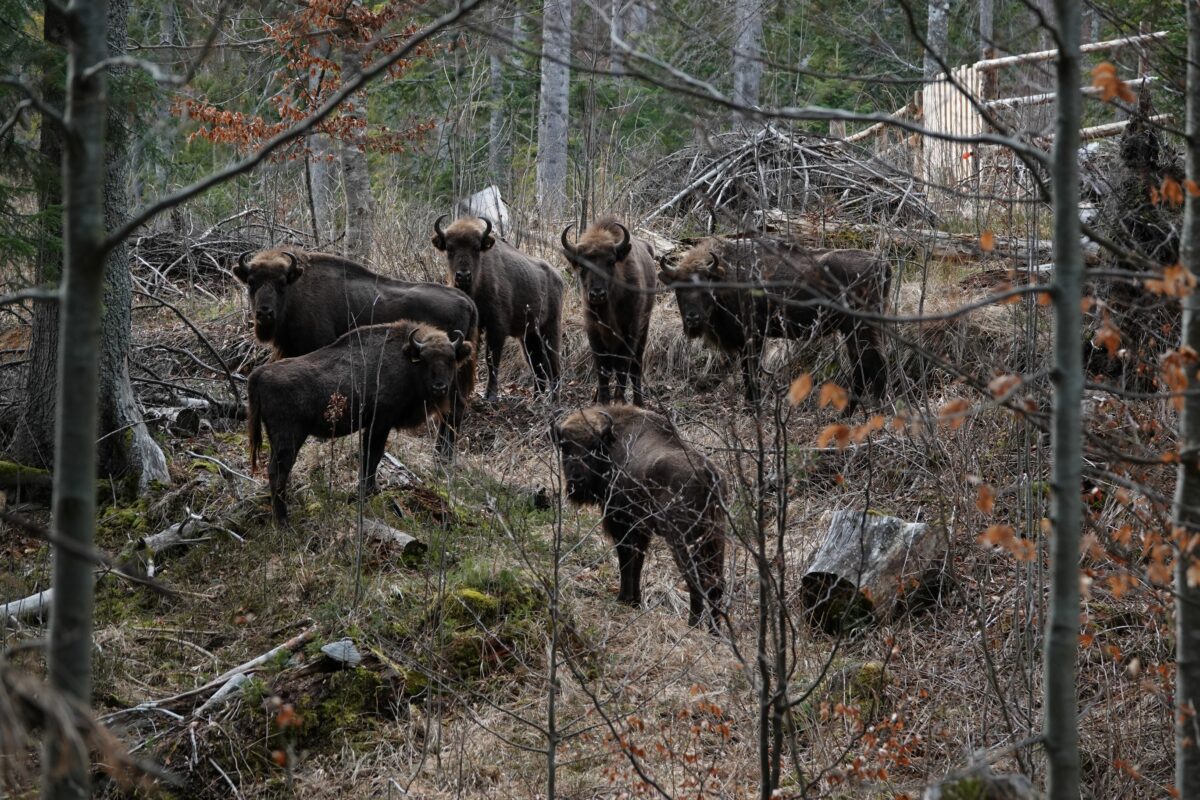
(1193,575)
(985,499)
(1108,337)
(1172,192)
(800,389)
(1087,304)
(839,433)
(873,424)
(1044,298)
(279,757)
(1003,385)
(833,395)
(997,536)
(1191,187)
(987,241)
(953,412)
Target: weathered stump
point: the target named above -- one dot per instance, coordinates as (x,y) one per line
(866,567)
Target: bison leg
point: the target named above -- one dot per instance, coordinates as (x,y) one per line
(701,565)
(448,426)
(749,363)
(635,378)
(374,442)
(495,349)
(867,364)
(551,342)
(603,376)
(622,370)
(279,469)
(631,556)
(535,354)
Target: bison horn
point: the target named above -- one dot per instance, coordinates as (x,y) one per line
(437,227)
(487,231)
(413,343)
(567,247)
(625,241)
(456,338)
(292,260)
(242,259)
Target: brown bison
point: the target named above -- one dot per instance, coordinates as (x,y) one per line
(303,301)
(373,379)
(616,277)
(783,291)
(647,480)
(517,295)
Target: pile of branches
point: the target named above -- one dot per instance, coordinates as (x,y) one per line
(182,255)
(739,172)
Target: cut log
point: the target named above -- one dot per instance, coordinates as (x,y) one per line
(866,567)
(36,605)
(981,782)
(410,547)
(29,483)
(232,687)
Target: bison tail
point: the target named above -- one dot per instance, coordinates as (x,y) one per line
(253,422)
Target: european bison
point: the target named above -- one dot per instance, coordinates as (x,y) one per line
(372,379)
(517,295)
(785,292)
(303,301)
(647,480)
(616,276)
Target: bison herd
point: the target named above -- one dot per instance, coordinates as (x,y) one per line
(355,351)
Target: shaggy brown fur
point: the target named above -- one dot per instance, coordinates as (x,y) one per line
(792,293)
(372,379)
(517,295)
(648,481)
(616,278)
(303,301)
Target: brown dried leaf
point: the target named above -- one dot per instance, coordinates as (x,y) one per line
(833,395)
(800,389)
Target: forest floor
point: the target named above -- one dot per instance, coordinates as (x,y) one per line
(451,698)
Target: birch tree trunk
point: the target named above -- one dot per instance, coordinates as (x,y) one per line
(356,172)
(616,33)
(497,146)
(34,441)
(1062,631)
(937,30)
(554,110)
(1187,489)
(747,55)
(127,447)
(69,659)
(322,164)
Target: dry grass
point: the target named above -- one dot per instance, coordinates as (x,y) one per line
(960,676)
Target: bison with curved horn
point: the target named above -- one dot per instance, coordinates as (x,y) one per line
(517,295)
(303,301)
(616,278)
(373,379)
(736,294)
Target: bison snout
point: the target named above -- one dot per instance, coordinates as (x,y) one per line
(692,322)
(462,280)
(264,314)
(439,389)
(598,298)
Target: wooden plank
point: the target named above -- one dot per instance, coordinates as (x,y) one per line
(1114,128)
(1050,55)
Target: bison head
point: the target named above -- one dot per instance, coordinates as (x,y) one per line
(693,294)
(267,276)
(439,357)
(463,243)
(583,440)
(595,259)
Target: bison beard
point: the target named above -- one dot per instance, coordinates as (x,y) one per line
(648,481)
(373,379)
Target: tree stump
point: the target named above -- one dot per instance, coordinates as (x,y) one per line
(865,567)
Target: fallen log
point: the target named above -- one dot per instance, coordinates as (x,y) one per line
(867,567)
(36,605)
(410,547)
(29,483)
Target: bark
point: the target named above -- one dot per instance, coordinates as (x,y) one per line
(1187,490)
(126,447)
(66,772)
(322,166)
(34,441)
(987,29)
(936,35)
(1060,702)
(616,33)
(747,54)
(356,172)
(553,111)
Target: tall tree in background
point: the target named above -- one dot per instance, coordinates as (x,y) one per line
(356,168)
(497,146)
(1066,433)
(125,447)
(937,34)
(554,109)
(747,54)
(1187,489)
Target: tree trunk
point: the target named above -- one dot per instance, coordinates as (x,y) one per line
(66,772)
(1187,490)
(1062,631)
(497,150)
(34,442)
(936,36)
(616,33)
(322,167)
(553,111)
(987,46)
(356,172)
(747,55)
(126,448)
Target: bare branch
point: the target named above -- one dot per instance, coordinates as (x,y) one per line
(45,109)
(32,293)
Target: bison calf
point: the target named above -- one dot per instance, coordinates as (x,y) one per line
(517,295)
(372,379)
(647,481)
(616,277)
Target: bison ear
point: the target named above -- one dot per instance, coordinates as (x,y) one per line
(294,270)
(439,241)
(242,270)
(487,243)
(462,348)
(621,251)
(716,269)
